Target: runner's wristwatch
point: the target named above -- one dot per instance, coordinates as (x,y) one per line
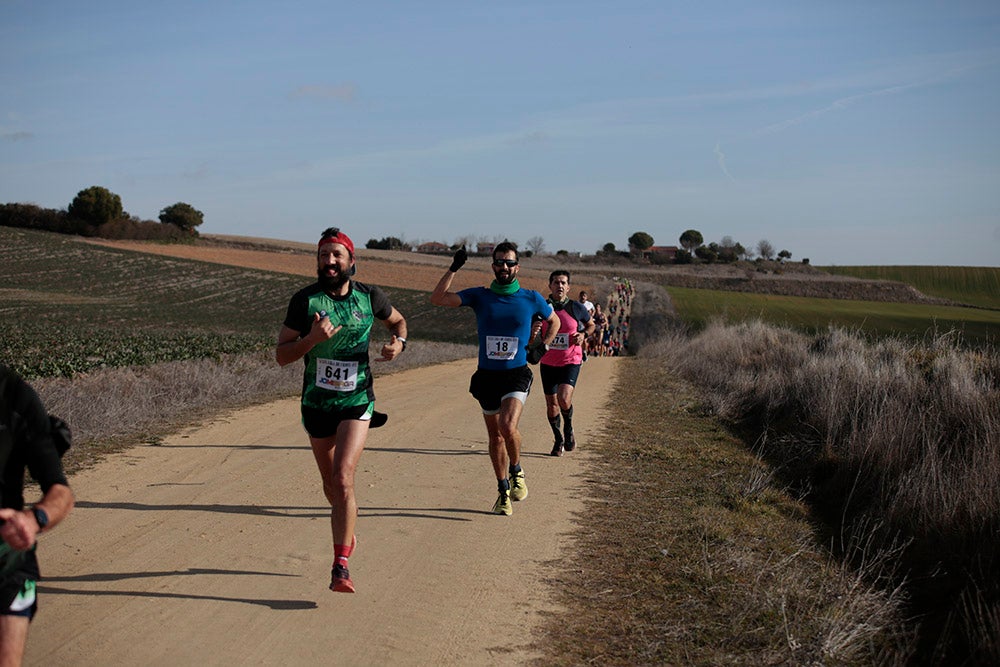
(403,341)
(41,517)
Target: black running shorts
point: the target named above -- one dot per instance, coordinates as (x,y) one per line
(324,423)
(553,376)
(490,387)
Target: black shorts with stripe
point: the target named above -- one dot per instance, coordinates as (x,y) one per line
(489,387)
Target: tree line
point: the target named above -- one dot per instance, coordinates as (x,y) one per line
(693,246)
(641,247)
(96,211)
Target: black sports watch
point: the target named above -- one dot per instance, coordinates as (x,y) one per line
(41,517)
(403,341)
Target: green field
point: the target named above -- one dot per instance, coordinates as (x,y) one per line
(977,326)
(68,307)
(976,286)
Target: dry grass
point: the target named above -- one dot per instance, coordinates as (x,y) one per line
(110,410)
(684,555)
(895,444)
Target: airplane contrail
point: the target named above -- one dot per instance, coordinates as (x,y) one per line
(722,161)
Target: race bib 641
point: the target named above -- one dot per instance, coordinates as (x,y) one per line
(336,375)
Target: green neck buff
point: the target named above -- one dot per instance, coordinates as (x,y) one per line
(497,288)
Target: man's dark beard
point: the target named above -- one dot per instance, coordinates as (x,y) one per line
(331,283)
(505,281)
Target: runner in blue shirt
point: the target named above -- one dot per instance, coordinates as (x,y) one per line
(504,312)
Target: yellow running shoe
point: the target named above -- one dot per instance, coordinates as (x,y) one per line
(518,487)
(502,505)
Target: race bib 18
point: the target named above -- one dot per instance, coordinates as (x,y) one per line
(501,348)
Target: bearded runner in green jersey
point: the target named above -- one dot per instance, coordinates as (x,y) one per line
(328,325)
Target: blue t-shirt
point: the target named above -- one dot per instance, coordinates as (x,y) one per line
(504,324)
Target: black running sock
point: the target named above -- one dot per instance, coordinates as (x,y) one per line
(515,469)
(567,420)
(554,423)
(503,485)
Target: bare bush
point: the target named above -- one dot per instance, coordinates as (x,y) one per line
(902,442)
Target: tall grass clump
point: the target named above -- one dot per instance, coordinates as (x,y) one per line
(718,564)
(896,444)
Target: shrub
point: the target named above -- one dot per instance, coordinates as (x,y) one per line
(140,230)
(895,443)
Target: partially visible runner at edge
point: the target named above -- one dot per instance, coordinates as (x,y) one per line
(27,441)
(328,325)
(560,367)
(504,313)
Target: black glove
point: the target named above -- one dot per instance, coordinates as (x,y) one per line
(458,260)
(536,351)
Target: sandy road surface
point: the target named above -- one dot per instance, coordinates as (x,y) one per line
(213,547)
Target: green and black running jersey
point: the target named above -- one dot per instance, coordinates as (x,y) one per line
(337,374)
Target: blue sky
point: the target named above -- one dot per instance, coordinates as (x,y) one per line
(845,132)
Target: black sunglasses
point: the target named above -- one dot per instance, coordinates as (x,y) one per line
(502,262)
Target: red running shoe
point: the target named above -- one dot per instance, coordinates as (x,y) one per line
(340,580)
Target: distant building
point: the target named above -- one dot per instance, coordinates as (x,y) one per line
(485,248)
(433,248)
(663,251)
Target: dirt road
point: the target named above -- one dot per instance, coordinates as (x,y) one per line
(213,547)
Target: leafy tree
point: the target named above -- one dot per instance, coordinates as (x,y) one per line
(682,257)
(536,244)
(765,249)
(728,255)
(740,251)
(640,242)
(182,215)
(706,253)
(608,249)
(95,206)
(784,254)
(691,239)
